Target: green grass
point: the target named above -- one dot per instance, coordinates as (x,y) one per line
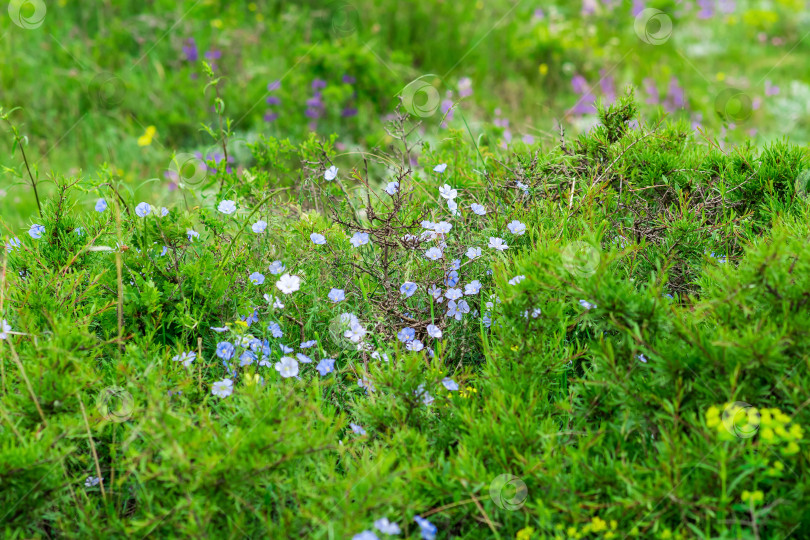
(633,364)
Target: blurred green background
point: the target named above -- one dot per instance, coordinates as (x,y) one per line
(117,87)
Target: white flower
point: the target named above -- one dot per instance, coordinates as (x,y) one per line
(478,209)
(447,192)
(223,388)
(392,188)
(259,227)
(287,367)
(359,239)
(473,252)
(516,227)
(497,243)
(330,174)
(227,207)
(288,284)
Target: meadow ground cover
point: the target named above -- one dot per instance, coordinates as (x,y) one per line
(320,322)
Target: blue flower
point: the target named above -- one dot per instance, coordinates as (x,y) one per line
(434,331)
(427,528)
(408,288)
(473,252)
(304,359)
(284,349)
(227,207)
(101,205)
(450,384)
(330,174)
(472,287)
(317,239)
(143,209)
(12,244)
(276,267)
(516,228)
(586,304)
(357,429)
(259,227)
(308,344)
(337,295)
(327,365)
(359,239)
(453,294)
(440,168)
(414,345)
(79,231)
(36,231)
(219,329)
(256,278)
(452,279)
(192,234)
(365,535)
(386,527)
(433,253)
(392,188)
(247,358)
(225,350)
(406,334)
(478,209)
(164,212)
(275,329)
(641,358)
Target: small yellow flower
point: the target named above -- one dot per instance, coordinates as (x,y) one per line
(721,76)
(515,347)
(252,380)
(252,6)
(525,534)
(598,524)
(543,68)
(216,23)
(146,138)
(241,323)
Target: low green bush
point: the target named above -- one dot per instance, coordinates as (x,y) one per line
(603,339)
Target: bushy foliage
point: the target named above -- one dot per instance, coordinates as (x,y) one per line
(604,339)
